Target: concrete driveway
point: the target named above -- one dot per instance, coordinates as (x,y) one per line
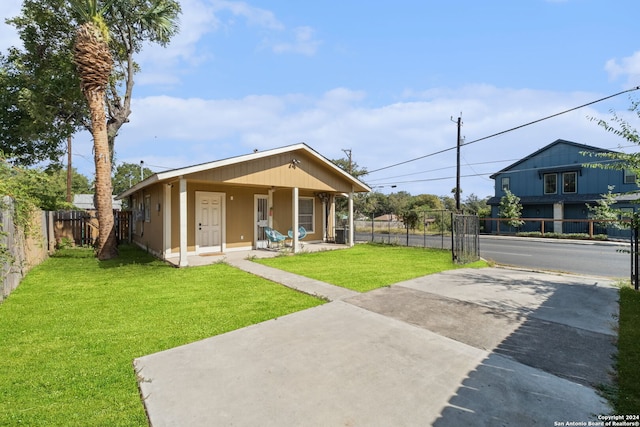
(467,347)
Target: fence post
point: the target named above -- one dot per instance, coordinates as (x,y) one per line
(372,225)
(453,252)
(634,257)
(424,228)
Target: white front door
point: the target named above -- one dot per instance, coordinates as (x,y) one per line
(261,220)
(209,226)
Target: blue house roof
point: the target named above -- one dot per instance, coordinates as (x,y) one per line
(582,147)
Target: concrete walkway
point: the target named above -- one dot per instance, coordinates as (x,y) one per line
(466,347)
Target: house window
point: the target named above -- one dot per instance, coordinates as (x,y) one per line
(569,182)
(625,213)
(505,184)
(306,213)
(147,208)
(630,177)
(550,183)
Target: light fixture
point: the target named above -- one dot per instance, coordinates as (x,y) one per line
(294,163)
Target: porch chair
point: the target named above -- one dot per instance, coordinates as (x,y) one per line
(274,236)
(302,233)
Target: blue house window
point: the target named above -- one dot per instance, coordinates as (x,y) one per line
(569,180)
(505,184)
(629,177)
(550,183)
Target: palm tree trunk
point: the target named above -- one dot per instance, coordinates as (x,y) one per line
(106,245)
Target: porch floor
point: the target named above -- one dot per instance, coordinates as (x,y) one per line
(206,259)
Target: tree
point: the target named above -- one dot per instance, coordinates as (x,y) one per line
(79,183)
(41,104)
(604,211)
(449,203)
(93,59)
(352,168)
(33,187)
(426,202)
(47,30)
(477,206)
(622,128)
(127,175)
(45,70)
(511,208)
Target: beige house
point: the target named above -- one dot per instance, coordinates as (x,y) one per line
(225,205)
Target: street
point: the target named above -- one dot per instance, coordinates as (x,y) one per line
(592,258)
(580,257)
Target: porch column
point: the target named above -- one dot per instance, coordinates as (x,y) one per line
(352,234)
(331,231)
(294,216)
(166,218)
(270,207)
(558,213)
(324,220)
(183,223)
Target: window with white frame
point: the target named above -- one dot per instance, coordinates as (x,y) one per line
(506,183)
(550,183)
(630,177)
(306,213)
(569,182)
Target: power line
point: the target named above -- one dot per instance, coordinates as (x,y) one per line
(442,178)
(506,131)
(554,115)
(488,173)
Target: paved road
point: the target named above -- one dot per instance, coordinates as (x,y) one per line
(591,258)
(600,259)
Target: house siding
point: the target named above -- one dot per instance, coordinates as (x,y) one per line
(238,180)
(277,171)
(526,180)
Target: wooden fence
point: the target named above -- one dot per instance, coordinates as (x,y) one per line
(81,227)
(588,227)
(20,251)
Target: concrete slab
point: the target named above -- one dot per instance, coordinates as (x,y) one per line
(502,392)
(331,365)
(466,347)
(294,281)
(589,303)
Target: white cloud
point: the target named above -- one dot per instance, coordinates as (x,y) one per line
(628,66)
(175,132)
(199,18)
(304,43)
(253,15)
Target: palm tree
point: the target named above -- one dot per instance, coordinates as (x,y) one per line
(94,63)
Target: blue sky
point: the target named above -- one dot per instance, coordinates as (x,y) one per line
(383,79)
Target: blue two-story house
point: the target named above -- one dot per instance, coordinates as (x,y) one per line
(554,182)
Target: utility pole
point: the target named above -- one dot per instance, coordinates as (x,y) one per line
(458,142)
(347,151)
(141,170)
(69,170)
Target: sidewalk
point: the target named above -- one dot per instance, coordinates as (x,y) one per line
(465,347)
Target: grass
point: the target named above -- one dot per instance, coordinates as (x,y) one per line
(627,398)
(69,333)
(368,266)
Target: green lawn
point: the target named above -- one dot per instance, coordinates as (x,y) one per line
(627,397)
(367,266)
(69,333)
